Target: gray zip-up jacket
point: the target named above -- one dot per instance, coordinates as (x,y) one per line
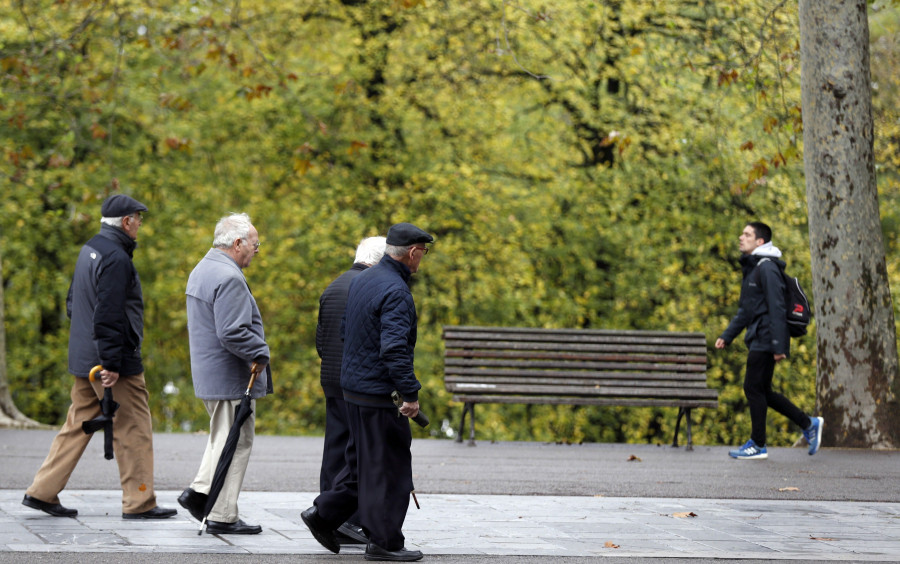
(225,331)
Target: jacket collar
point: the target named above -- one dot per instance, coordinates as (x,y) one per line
(394,264)
(120,237)
(218,255)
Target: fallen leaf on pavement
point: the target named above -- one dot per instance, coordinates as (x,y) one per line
(821,538)
(789,489)
(684,514)
(633,458)
(611,544)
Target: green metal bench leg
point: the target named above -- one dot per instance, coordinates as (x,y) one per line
(686,412)
(470,408)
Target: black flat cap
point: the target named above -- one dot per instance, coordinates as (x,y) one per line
(120,205)
(405,234)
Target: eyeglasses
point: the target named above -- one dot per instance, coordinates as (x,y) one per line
(255,245)
(423,249)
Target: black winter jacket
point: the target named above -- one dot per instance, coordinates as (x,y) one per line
(106,306)
(379,331)
(761,307)
(328,329)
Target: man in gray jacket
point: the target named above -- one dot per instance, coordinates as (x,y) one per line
(226,336)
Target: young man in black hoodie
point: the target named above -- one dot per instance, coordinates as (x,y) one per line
(761,311)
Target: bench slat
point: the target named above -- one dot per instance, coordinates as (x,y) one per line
(555,400)
(555,355)
(574,380)
(638,365)
(581,344)
(594,335)
(682,392)
(462,374)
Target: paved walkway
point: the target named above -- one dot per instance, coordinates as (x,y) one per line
(550,526)
(502,503)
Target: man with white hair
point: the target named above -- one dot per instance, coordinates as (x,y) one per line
(379,329)
(106,306)
(330,345)
(226,337)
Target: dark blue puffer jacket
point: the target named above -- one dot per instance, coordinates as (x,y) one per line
(380,336)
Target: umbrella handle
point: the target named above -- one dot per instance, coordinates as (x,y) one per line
(254,372)
(94,371)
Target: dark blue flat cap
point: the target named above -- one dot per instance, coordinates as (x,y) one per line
(405,234)
(120,205)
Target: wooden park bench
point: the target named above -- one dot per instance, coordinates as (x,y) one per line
(576,367)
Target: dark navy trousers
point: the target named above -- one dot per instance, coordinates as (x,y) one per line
(376,480)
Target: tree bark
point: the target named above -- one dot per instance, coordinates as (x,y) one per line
(857,384)
(10,416)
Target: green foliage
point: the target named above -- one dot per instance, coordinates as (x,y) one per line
(589,164)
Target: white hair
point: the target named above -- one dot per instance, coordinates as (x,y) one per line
(230,228)
(114,221)
(370,250)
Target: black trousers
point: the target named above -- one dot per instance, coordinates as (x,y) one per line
(376,480)
(760,396)
(337,435)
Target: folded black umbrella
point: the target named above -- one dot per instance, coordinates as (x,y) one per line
(241,413)
(105,420)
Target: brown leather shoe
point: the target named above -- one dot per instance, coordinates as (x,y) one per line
(54,509)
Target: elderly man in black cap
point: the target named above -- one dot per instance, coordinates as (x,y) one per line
(106,307)
(379,340)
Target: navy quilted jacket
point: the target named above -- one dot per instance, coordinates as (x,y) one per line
(380,336)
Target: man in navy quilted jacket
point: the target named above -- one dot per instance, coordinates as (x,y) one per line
(379,339)
(330,347)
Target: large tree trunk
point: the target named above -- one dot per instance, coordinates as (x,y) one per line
(10,416)
(857,385)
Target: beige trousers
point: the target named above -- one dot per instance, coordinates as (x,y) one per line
(132,443)
(221,417)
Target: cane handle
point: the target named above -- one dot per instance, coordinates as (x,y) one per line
(94,371)
(254,372)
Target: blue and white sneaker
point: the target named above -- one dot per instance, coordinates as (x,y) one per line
(749,452)
(814,434)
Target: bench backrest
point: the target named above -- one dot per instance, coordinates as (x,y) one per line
(574,366)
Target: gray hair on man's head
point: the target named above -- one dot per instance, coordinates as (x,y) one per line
(114,221)
(231,227)
(397,252)
(370,250)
